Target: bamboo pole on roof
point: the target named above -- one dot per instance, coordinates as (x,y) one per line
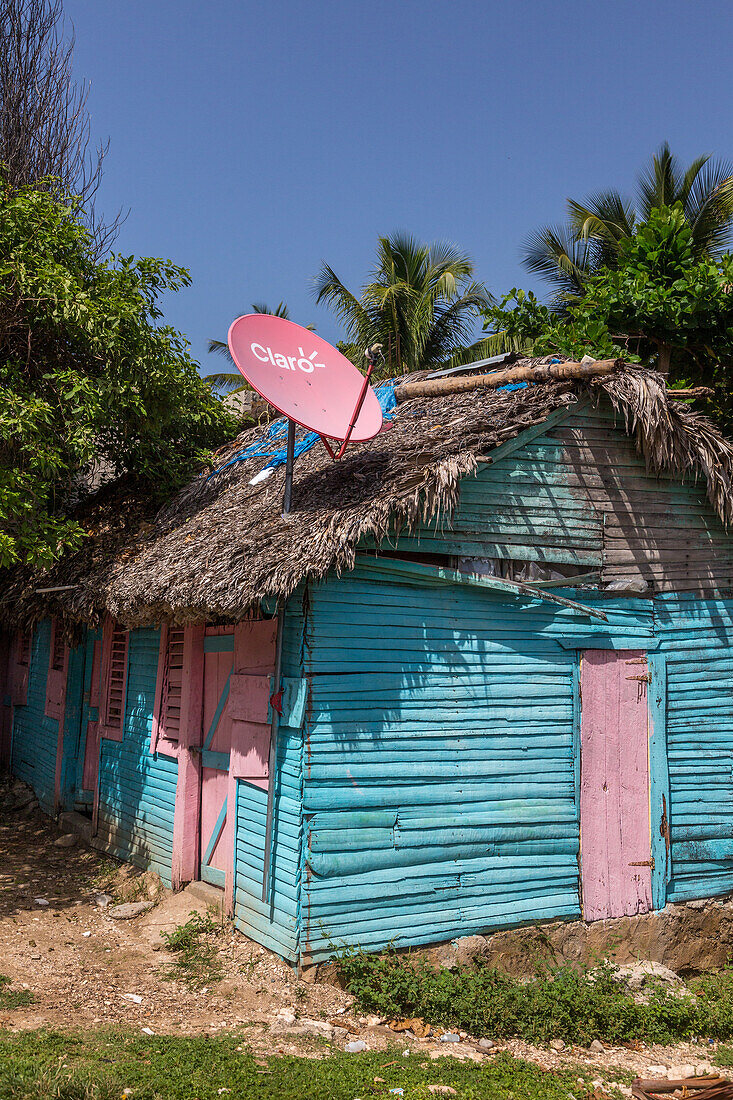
(546,372)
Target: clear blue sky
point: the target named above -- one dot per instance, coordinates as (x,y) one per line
(251,141)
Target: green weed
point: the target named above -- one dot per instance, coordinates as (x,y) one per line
(99,1065)
(104,874)
(197,961)
(13,998)
(566,1002)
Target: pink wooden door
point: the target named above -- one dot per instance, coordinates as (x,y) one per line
(91,744)
(615,838)
(216,835)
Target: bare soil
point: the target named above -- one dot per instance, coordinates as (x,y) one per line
(86,970)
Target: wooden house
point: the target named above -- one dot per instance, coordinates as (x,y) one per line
(491,649)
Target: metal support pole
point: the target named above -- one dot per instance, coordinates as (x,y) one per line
(272,767)
(373,355)
(290,459)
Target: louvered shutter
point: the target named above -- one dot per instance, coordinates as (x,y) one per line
(20,668)
(169,690)
(56,676)
(114,677)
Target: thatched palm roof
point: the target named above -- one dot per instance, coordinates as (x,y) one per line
(221,546)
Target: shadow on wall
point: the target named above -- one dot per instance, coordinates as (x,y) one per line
(136,789)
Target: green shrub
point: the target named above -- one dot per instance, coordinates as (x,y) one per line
(576,1004)
(197,961)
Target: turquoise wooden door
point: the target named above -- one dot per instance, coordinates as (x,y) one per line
(216,838)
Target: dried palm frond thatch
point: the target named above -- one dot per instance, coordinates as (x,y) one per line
(221,546)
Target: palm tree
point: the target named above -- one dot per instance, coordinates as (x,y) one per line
(566,256)
(420,305)
(227,382)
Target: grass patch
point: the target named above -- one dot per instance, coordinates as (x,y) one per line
(98,1066)
(194,945)
(13,998)
(563,1002)
(104,875)
(723,1056)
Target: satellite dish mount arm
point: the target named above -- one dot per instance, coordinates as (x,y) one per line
(289,461)
(373,356)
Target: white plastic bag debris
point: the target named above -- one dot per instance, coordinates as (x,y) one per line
(262,475)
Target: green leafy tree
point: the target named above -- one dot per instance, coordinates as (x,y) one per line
(227,382)
(421,305)
(568,255)
(90,376)
(663,305)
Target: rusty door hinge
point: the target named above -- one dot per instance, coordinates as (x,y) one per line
(641,679)
(644,863)
(664,824)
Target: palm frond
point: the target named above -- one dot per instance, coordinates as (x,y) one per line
(280,310)
(688,180)
(328,289)
(226,382)
(660,182)
(556,254)
(605,214)
(453,325)
(219,347)
(709,208)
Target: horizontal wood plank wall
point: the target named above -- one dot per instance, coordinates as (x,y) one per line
(696,637)
(439,776)
(580,494)
(275,923)
(136,790)
(35,736)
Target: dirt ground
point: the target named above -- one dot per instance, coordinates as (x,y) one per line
(86,970)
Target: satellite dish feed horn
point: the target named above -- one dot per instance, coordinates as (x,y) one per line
(308,381)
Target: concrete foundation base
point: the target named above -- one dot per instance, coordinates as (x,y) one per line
(688,937)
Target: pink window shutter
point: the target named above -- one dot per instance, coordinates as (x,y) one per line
(115,644)
(58,664)
(166,732)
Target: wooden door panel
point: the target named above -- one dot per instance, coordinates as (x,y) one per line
(216,832)
(615,837)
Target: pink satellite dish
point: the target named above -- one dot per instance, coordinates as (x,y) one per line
(304,378)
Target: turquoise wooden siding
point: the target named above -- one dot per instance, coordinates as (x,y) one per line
(696,638)
(137,790)
(34,735)
(83,799)
(275,923)
(578,493)
(440,767)
(439,762)
(73,740)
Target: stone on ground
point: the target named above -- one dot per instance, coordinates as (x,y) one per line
(677,1073)
(129,909)
(68,840)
